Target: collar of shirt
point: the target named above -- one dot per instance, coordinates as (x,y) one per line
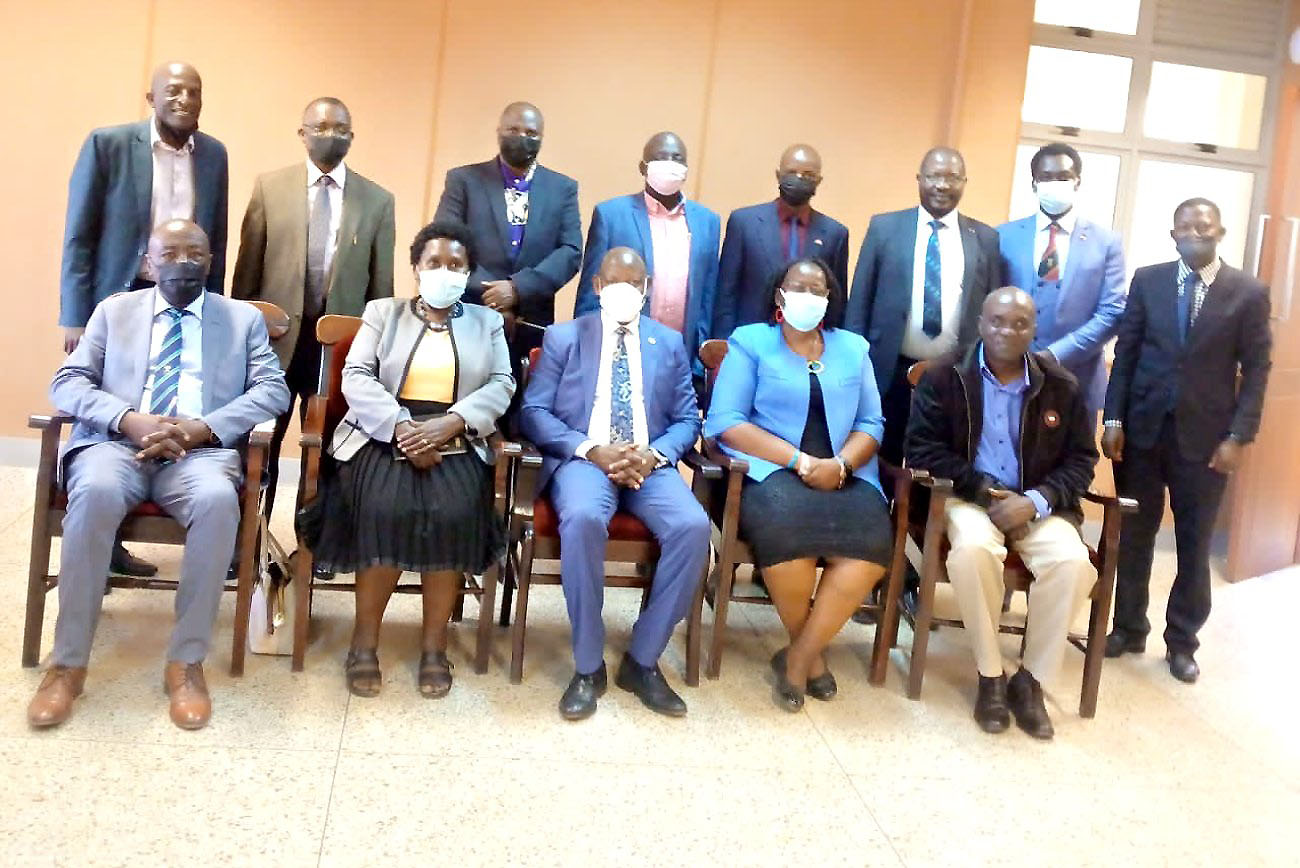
(923,218)
(1015,386)
(339,173)
(1066,221)
(155,140)
(512,177)
(784,211)
(195,307)
(1207,274)
(657,209)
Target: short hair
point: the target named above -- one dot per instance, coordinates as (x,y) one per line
(835,306)
(1196,202)
(452,230)
(327,100)
(1055,149)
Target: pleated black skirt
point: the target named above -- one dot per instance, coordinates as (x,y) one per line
(378,510)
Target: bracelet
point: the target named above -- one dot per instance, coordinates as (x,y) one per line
(844,470)
(1113,423)
(794,461)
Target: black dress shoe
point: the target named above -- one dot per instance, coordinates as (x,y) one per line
(1119,643)
(579,699)
(650,687)
(991,711)
(785,694)
(126,564)
(1182,666)
(1026,697)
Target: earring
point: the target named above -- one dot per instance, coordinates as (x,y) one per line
(780,316)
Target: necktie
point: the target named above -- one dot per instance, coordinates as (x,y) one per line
(1049,268)
(620,393)
(318,242)
(792,252)
(932,305)
(1187,305)
(165,372)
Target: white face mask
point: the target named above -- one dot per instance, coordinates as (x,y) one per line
(621,302)
(441,287)
(665,177)
(803,310)
(1055,197)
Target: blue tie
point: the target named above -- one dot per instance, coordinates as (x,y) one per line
(620,390)
(165,371)
(932,307)
(1185,305)
(792,252)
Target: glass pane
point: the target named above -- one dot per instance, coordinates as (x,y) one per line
(1209,106)
(1161,186)
(1050,98)
(1113,16)
(1096,193)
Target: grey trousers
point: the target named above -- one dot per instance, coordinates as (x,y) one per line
(104,482)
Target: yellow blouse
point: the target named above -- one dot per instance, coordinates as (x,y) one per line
(432,374)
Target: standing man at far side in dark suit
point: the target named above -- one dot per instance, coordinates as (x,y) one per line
(761,239)
(1176,418)
(127,180)
(317,238)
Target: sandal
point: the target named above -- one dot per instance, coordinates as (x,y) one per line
(435,674)
(362,665)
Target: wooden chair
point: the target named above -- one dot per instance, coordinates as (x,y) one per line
(147,523)
(933,540)
(733,552)
(534,532)
(324,412)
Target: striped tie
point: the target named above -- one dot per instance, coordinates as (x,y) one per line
(165,372)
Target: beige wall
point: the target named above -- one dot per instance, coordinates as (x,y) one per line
(871,83)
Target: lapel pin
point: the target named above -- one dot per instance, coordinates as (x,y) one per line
(651,340)
(817,241)
(1051,419)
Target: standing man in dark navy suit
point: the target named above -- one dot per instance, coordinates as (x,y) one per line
(763,238)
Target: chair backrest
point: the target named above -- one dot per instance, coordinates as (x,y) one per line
(712,352)
(335,334)
(277,321)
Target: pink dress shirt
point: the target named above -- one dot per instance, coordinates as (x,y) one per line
(671,240)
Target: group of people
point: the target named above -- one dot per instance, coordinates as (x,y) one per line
(1001,330)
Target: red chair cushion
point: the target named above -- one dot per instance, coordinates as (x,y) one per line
(624,527)
(148,508)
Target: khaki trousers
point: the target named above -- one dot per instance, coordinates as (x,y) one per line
(1063,576)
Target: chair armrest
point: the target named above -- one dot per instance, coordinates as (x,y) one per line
(260,436)
(528,463)
(728,463)
(1125,505)
(54,420)
(701,465)
(310,441)
(522,451)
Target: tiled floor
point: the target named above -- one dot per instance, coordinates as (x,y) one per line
(293,771)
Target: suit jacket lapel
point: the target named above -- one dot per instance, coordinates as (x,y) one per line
(216,346)
(589,340)
(970,252)
(137,353)
(538,199)
(1081,241)
(816,245)
(1212,306)
(493,188)
(142,176)
(397,359)
(773,249)
(649,362)
(349,223)
(641,218)
(906,248)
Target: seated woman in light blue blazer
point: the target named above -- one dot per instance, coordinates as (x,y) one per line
(797,399)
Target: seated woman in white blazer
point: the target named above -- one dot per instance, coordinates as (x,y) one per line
(796,398)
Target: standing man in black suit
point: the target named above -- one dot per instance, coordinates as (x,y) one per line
(526,225)
(921,279)
(128,179)
(763,238)
(1176,417)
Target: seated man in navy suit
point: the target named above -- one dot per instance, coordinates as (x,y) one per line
(612,408)
(763,239)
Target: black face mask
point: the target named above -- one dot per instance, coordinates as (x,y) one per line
(520,151)
(181,282)
(795,190)
(328,150)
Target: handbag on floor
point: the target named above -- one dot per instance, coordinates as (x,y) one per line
(270,622)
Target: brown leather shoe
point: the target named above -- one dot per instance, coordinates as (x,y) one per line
(52,703)
(191,707)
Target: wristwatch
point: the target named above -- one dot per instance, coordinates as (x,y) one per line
(1113,423)
(661,460)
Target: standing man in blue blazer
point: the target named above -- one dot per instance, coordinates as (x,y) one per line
(762,239)
(677,238)
(1071,267)
(128,179)
(611,407)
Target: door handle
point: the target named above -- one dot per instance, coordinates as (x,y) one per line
(1260,225)
(1289,292)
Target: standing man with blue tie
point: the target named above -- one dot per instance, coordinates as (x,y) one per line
(677,239)
(1071,267)
(164,385)
(1186,393)
(761,239)
(128,179)
(611,406)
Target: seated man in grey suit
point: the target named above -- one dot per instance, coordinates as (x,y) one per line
(163,385)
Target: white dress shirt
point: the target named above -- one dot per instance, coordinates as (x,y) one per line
(173,178)
(1066,222)
(339,176)
(598,429)
(189,392)
(952,270)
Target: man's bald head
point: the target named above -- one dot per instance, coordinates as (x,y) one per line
(178,260)
(664,146)
(621,265)
(799,174)
(1006,324)
(176,96)
(519,134)
(801,158)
